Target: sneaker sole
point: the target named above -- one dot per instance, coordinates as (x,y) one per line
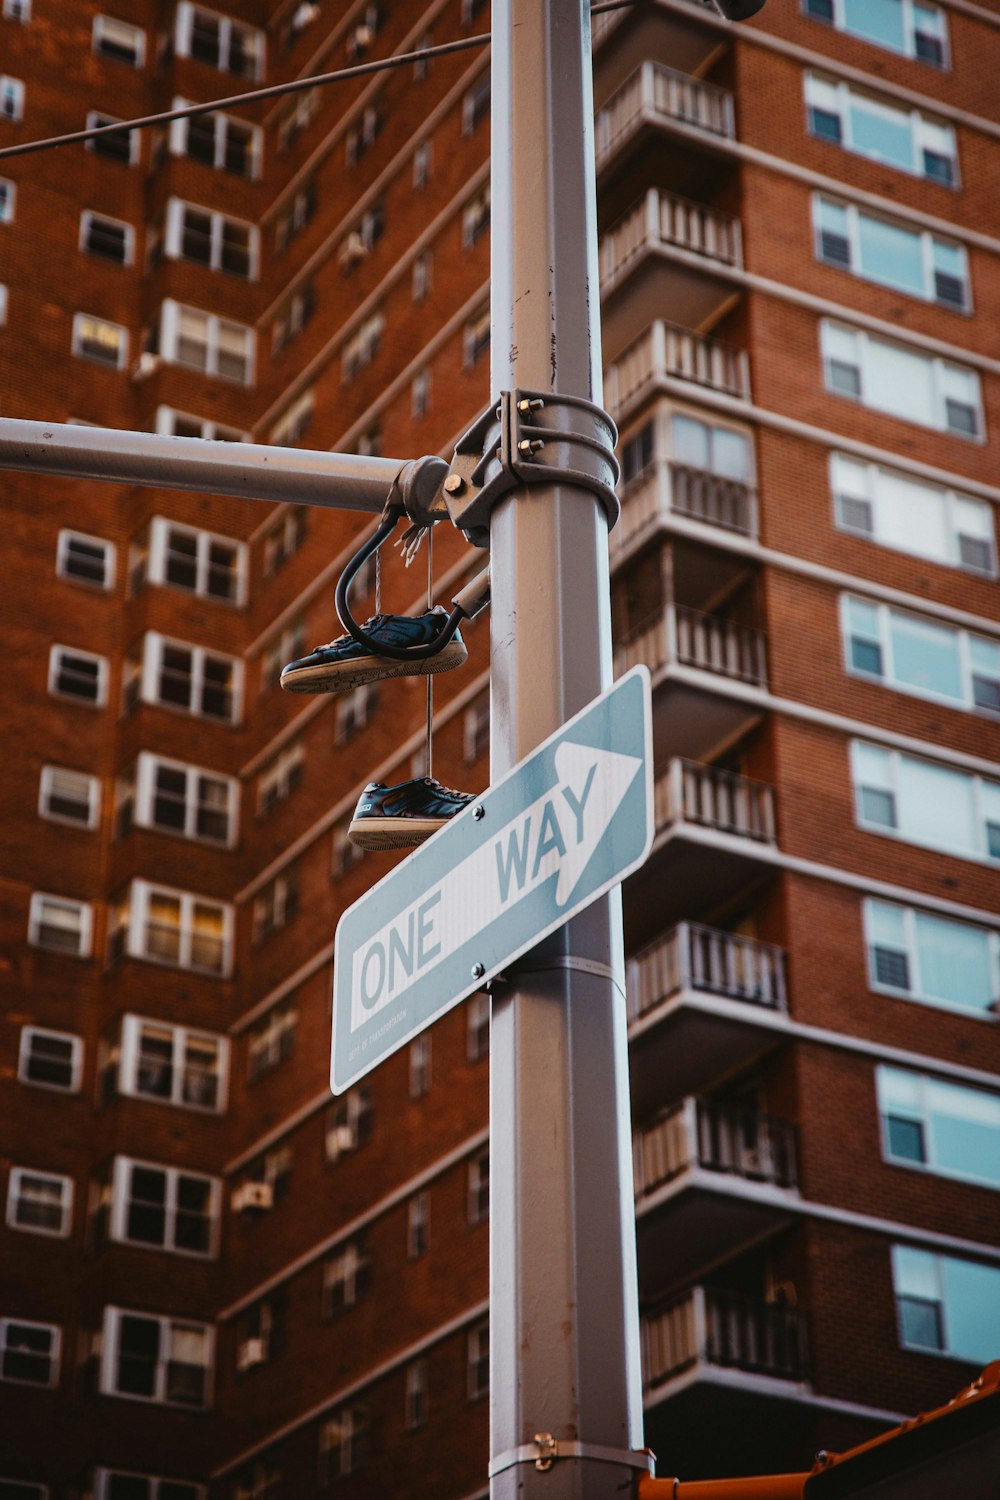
(393,833)
(340,677)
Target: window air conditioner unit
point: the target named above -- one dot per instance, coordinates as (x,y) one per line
(304,15)
(353,249)
(360,40)
(340,1139)
(253,1197)
(251,1352)
(146,365)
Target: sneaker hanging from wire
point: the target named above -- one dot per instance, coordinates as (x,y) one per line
(345,663)
(402,816)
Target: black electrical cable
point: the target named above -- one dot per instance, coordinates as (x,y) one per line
(274,91)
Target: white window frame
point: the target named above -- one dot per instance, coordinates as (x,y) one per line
(420,393)
(346,853)
(294,421)
(351,1427)
(104,26)
(270,1040)
(3,305)
(478,1210)
(182,39)
(354,709)
(14,1196)
(55,668)
(8,200)
(418,1225)
(80,320)
(63,548)
(160,529)
(923,1112)
(98,117)
(168,1326)
(174,241)
(844,467)
(839,94)
(477,1353)
(885,616)
(276,905)
(154,645)
(166,423)
(55,1350)
(134,920)
(170,320)
(221,121)
(121,1189)
(473,344)
(477,1026)
(350,1269)
(421,1066)
(473,110)
(894,761)
(832,330)
(910,29)
(26,1054)
(36,914)
(475,721)
(280,777)
(146,766)
(476,216)
(416,1400)
(48,787)
(423,164)
(362,347)
(12,89)
(911,949)
(88,218)
(17,10)
(947,1350)
(927,242)
(129,1053)
(103,1478)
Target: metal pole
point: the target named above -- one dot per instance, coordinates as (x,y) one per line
(341,481)
(563,1292)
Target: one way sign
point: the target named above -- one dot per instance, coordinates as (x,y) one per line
(565,825)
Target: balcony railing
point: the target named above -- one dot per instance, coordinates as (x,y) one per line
(665,219)
(721,1328)
(708,642)
(729,503)
(666,350)
(718,1137)
(705,959)
(716,799)
(656,92)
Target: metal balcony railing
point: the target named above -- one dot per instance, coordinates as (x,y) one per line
(656,92)
(722,1328)
(729,503)
(709,642)
(666,350)
(710,961)
(719,1137)
(722,800)
(666,219)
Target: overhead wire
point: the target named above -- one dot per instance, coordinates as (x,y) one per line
(274,91)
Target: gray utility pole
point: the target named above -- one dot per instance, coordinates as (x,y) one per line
(563,1288)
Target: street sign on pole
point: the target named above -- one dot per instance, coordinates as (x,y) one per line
(560,829)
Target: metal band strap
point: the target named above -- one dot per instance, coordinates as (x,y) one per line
(545,1450)
(578,965)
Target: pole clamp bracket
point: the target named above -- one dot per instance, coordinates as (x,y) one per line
(530,438)
(545,1450)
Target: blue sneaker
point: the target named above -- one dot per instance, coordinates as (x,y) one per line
(345,663)
(400,817)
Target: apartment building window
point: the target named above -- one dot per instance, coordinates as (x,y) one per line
(477,1028)
(347,1278)
(218,140)
(271,1040)
(476,216)
(925,803)
(263,1333)
(200,562)
(284,538)
(637,452)
(421,275)
(50,1059)
(344,1443)
(908,515)
(891,378)
(173,674)
(17,10)
(362,138)
(114,145)
(257,1481)
(211,239)
(299,114)
(164,1207)
(476,104)
(108,238)
(920,956)
(476,729)
(59,924)
(276,905)
(346,854)
(711,449)
(420,394)
(292,427)
(173,423)
(69,797)
(945,1128)
(362,347)
(3,305)
(219,41)
(39,1202)
(905,139)
(179,798)
(477,338)
(203,341)
(98,340)
(120,41)
(117,1484)
(479,1189)
(11,98)
(416,1397)
(298,214)
(8,200)
(477,1358)
(353,711)
(293,317)
(274,1169)
(945,1305)
(418,1225)
(167,1360)
(423,163)
(280,777)
(420,1067)
(350,1123)
(906,26)
(173,1064)
(29,1354)
(886,251)
(177,928)
(917,655)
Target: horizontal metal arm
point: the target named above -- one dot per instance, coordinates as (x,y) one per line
(341,481)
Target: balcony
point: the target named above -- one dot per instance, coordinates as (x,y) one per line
(708,1332)
(655,96)
(668,488)
(668,353)
(711,1179)
(667,252)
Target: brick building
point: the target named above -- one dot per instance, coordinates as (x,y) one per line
(218,1281)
